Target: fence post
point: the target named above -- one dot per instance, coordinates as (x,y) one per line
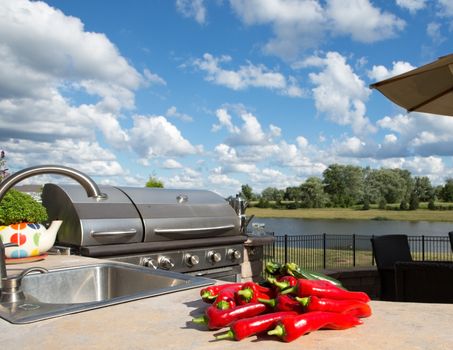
(423,247)
(286,248)
(353,249)
(324,258)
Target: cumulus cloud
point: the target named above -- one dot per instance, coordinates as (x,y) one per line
(192,9)
(446,8)
(380,72)
(188,178)
(302,24)
(362,21)
(171,164)
(339,92)
(412,5)
(50,63)
(250,75)
(153,136)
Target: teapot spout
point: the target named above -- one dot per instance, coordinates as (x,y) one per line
(47,239)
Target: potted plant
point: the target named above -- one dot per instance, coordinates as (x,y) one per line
(21,219)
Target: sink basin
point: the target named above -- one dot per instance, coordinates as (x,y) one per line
(69,290)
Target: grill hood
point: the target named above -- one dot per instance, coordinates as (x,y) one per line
(131,215)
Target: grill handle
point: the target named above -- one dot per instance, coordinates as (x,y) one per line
(163,231)
(125,233)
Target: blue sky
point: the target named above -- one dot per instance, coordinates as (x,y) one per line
(215,94)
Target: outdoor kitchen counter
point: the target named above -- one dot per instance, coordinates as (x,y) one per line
(164,323)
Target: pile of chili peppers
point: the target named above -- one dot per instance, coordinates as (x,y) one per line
(291,303)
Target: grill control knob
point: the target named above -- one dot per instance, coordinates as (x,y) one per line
(149,262)
(214,257)
(166,263)
(191,260)
(234,254)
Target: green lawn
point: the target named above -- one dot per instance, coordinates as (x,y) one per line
(349,213)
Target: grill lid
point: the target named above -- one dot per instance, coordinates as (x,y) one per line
(133,215)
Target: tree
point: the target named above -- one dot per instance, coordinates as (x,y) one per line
(246,192)
(385,184)
(154,182)
(292,194)
(272,194)
(312,193)
(446,193)
(344,184)
(423,189)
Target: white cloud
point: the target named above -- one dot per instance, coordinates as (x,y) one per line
(50,67)
(192,9)
(378,73)
(433,31)
(446,8)
(249,133)
(223,180)
(250,75)
(363,21)
(172,112)
(171,164)
(302,24)
(153,78)
(153,136)
(188,178)
(412,5)
(340,93)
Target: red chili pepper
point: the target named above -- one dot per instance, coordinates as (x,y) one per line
(283,282)
(292,327)
(209,294)
(226,299)
(250,292)
(283,302)
(324,289)
(247,327)
(216,318)
(352,307)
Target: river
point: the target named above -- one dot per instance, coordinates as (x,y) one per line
(282,226)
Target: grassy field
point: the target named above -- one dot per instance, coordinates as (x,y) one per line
(356,214)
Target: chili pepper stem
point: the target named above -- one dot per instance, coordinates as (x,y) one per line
(226,335)
(200,320)
(247,293)
(289,290)
(303,301)
(279,330)
(223,305)
(270,302)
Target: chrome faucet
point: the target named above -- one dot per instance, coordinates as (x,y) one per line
(10,286)
(87,183)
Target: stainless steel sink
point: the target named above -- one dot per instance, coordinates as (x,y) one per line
(70,290)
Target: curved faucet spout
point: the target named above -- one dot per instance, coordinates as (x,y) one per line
(87,183)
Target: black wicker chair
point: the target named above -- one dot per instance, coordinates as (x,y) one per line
(387,250)
(424,281)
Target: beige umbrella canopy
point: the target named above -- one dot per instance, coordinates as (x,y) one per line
(427,89)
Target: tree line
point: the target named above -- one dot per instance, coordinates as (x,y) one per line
(347,186)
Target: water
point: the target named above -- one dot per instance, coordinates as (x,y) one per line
(282,226)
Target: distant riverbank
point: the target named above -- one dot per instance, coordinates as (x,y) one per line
(354,214)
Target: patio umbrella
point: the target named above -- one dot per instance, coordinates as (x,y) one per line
(427,89)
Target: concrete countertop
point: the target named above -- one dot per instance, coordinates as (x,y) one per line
(164,323)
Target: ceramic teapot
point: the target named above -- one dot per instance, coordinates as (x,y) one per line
(33,239)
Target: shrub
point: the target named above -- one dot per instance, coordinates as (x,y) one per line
(17,207)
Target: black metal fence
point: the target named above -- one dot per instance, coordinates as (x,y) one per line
(330,251)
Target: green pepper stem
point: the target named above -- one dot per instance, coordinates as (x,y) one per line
(279,330)
(289,290)
(304,301)
(223,305)
(200,319)
(246,293)
(270,302)
(226,335)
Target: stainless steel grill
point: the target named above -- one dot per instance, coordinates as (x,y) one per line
(189,231)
